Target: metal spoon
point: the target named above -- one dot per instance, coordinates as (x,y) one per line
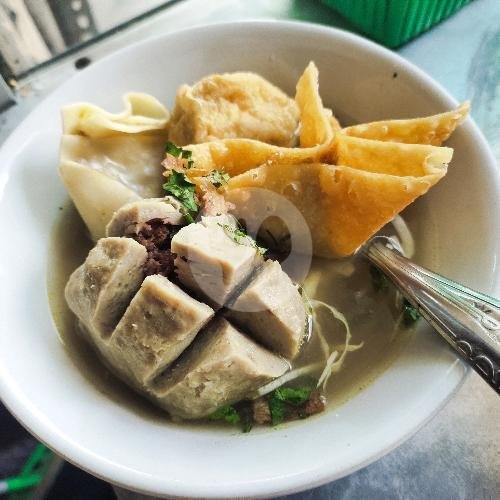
(469,321)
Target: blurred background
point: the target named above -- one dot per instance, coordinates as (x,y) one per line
(44,42)
(35,32)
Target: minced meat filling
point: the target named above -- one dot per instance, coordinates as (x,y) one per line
(156,236)
(315,404)
(261,411)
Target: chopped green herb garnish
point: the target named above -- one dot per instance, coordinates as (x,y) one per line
(189,218)
(381,282)
(183,189)
(261,250)
(218,177)
(293,396)
(173,150)
(410,313)
(178,152)
(379,279)
(278,409)
(227,414)
(240,236)
(283,397)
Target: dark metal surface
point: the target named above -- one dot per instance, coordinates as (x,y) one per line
(61,481)
(74,19)
(15,444)
(78,30)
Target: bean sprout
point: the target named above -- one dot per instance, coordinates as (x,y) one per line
(287,377)
(404,235)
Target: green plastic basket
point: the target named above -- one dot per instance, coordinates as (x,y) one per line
(394,22)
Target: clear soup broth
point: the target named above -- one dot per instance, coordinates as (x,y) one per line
(346,284)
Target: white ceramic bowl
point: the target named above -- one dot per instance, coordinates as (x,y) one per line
(455,231)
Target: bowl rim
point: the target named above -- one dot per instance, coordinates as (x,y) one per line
(98,466)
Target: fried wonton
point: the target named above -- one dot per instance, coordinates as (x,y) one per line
(233,105)
(239,155)
(426,130)
(241,123)
(107,160)
(343,206)
(316,122)
(391,158)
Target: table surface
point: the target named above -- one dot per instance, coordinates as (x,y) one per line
(457,454)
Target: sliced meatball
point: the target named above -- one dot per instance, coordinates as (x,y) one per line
(160,322)
(130,219)
(99,291)
(152,223)
(221,367)
(271,310)
(211,261)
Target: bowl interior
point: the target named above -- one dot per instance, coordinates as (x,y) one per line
(38,381)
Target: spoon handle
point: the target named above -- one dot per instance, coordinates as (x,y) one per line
(469,321)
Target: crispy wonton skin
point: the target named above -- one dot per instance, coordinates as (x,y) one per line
(239,155)
(425,130)
(233,105)
(392,158)
(316,122)
(342,206)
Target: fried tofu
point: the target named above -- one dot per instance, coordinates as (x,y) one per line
(233,105)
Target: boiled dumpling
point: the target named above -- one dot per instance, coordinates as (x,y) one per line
(107,160)
(142,114)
